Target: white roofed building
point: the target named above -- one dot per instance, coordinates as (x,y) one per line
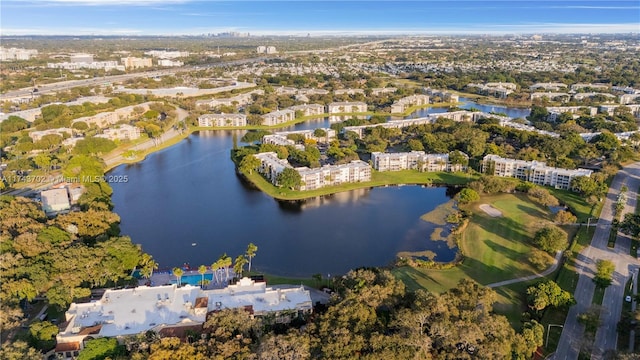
(209,120)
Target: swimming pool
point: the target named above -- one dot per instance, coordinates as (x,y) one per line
(194,279)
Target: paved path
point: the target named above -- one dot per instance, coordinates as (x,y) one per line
(572,337)
(530,277)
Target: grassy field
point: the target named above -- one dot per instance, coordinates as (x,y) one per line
(495,249)
(580,208)
(377,179)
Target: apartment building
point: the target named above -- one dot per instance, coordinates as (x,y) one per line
(121,132)
(209,120)
(444,96)
(9,54)
(629,98)
(579,86)
(309,109)
(500,90)
(555,111)
(548,86)
(382,91)
(55,201)
(405,103)
(346,107)
(169,63)
(550,95)
(236,101)
(415,160)
(610,109)
(533,171)
(278,117)
(330,175)
(284,90)
(271,165)
(38,135)
(104,65)
(135,62)
(582,96)
(138,310)
(330,134)
(348,91)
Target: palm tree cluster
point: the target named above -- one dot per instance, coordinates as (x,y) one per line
(221,267)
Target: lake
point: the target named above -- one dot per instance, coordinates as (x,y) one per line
(189,194)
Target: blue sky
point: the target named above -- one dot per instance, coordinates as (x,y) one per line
(179,17)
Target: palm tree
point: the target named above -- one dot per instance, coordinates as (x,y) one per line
(225,262)
(251,252)
(238,267)
(178,272)
(202,269)
(147,265)
(214,267)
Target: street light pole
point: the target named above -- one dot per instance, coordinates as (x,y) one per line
(546,343)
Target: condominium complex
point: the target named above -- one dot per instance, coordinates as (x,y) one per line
(105,119)
(346,107)
(310,109)
(281,137)
(533,171)
(381,91)
(348,91)
(266,50)
(121,132)
(500,90)
(445,96)
(236,101)
(209,120)
(38,135)
(104,65)
(9,54)
(135,62)
(278,117)
(160,308)
(405,103)
(416,160)
(170,63)
(555,111)
(548,86)
(356,171)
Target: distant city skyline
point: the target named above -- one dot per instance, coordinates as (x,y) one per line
(194,17)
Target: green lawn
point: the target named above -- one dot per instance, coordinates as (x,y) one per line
(377,179)
(495,249)
(576,202)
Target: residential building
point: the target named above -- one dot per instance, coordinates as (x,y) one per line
(500,90)
(209,120)
(579,86)
(348,91)
(555,111)
(9,54)
(415,160)
(163,54)
(278,139)
(533,171)
(610,109)
(55,201)
(582,96)
(407,102)
(266,49)
(104,119)
(346,107)
(381,91)
(30,114)
(278,117)
(629,98)
(135,62)
(285,90)
(236,101)
(37,135)
(330,134)
(550,96)
(81,58)
(328,175)
(162,309)
(104,65)
(121,132)
(309,109)
(548,86)
(445,96)
(310,92)
(169,63)
(331,175)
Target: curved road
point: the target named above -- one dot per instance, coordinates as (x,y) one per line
(548,271)
(572,338)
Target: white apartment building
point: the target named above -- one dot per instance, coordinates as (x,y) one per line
(414,160)
(555,111)
(121,132)
(346,107)
(163,54)
(278,117)
(548,86)
(629,98)
(169,63)
(328,175)
(348,91)
(9,54)
(30,114)
(135,62)
(533,171)
(138,310)
(209,120)
(582,96)
(81,58)
(37,135)
(266,49)
(551,96)
(330,134)
(309,109)
(444,96)
(579,86)
(55,201)
(286,90)
(236,101)
(105,65)
(405,103)
(381,91)
(105,119)
(610,109)
(331,175)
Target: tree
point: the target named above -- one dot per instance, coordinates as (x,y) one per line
(547,293)
(238,265)
(102,348)
(542,196)
(631,225)
(18,350)
(415,145)
(147,266)
(565,217)
(604,273)
(225,262)
(551,239)
(251,252)
(289,178)
(467,195)
(43,161)
(540,259)
(43,334)
(178,272)
(94,146)
(249,163)
(201,270)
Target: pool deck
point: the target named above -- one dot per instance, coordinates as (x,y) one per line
(167,277)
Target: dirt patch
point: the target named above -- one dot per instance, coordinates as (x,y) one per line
(490,210)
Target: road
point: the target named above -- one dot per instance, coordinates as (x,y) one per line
(65,85)
(632,333)
(572,337)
